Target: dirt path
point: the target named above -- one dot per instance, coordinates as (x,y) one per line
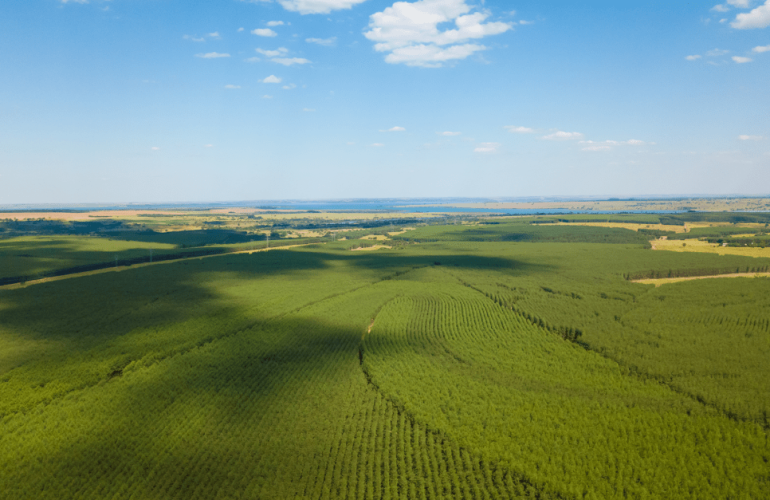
(13,286)
(662,281)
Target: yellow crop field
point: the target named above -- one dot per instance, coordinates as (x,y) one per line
(693,245)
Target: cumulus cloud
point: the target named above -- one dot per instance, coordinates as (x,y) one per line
(563,136)
(264,32)
(720,8)
(280,51)
(761,48)
(212,55)
(518,130)
(608,145)
(750,138)
(693,58)
(289,61)
(271,79)
(313,6)
(487,147)
(741,60)
(394,129)
(275,23)
(757,18)
(229,86)
(409,32)
(326,42)
(450,134)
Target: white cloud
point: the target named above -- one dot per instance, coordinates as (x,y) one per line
(757,18)
(271,79)
(750,137)
(409,32)
(742,60)
(239,30)
(487,147)
(326,42)
(155,148)
(212,55)
(394,129)
(289,86)
(518,130)
(253,59)
(275,23)
(232,86)
(761,48)
(267,96)
(716,52)
(289,61)
(608,145)
(524,23)
(563,136)
(693,58)
(264,32)
(313,6)
(378,145)
(720,8)
(214,35)
(280,51)
(741,4)
(194,38)
(450,134)
(74,1)
(208,146)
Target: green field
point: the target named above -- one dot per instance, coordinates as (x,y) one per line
(507,360)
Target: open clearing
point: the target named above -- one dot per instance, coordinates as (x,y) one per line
(663,281)
(369,249)
(693,245)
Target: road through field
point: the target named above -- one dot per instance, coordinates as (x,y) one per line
(662,281)
(135,266)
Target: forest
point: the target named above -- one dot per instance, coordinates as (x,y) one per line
(478,358)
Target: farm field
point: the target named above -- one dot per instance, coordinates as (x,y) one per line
(499,358)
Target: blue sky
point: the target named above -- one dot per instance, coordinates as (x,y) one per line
(171,100)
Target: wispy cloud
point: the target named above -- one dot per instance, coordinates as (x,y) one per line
(750,138)
(264,32)
(563,136)
(378,145)
(409,32)
(290,61)
(693,58)
(212,55)
(450,134)
(608,145)
(761,48)
(519,130)
(289,86)
(326,42)
(742,60)
(280,51)
(273,24)
(487,147)
(394,129)
(717,52)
